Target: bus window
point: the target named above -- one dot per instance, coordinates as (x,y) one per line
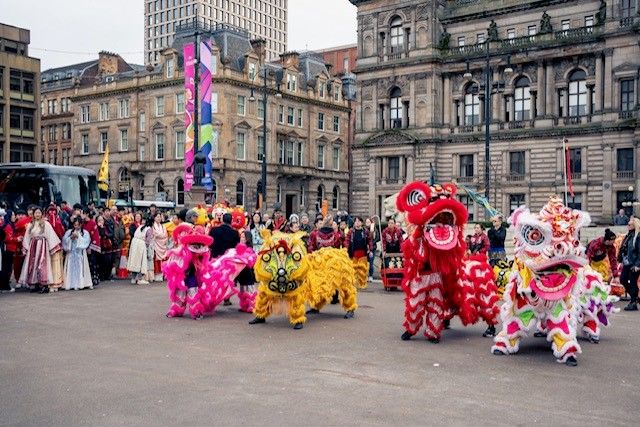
(20,188)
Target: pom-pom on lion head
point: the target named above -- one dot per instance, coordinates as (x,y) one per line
(196,240)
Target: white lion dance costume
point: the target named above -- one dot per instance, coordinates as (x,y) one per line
(196,281)
(551,287)
(439,282)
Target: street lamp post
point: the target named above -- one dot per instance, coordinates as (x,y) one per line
(263,178)
(632,202)
(489,87)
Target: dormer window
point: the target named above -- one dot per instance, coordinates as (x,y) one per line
(170,68)
(321,89)
(291,83)
(252,71)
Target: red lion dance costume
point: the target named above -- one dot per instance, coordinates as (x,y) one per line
(197,282)
(438,281)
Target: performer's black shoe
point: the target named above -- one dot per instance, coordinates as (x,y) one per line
(632,306)
(447,323)
(198,317)
(406,336)
(226,302)
(498,353)
(433,340)
(349,315)
(298,326)
(539,334)
(571,361)
(490,332)
(44,290)
(336,298)
(33,290)
(313,311)
(594,340)
(257,320)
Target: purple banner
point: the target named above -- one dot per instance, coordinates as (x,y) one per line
(189,89)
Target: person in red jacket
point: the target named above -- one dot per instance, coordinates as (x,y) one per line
(9,246)
(324,236)
(22,220)
(601,248)
(479,241)
(95,246)
(359,244)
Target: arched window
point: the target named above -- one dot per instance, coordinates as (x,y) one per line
(279,193)
(522,99)
(320,196)
(159,186)
(335,200)
(471,105)
(577,93)
(180,192)
(397,40)
(240,193)
(124,184)
(396,107)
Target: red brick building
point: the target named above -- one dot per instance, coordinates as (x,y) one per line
(341,58)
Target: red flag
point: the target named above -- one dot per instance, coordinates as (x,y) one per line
(567,159)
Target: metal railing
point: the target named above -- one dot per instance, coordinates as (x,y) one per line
(628,114)
(625,174)
(515,177)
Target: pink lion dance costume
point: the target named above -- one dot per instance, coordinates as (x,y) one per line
(439,282)
(197,282)
(552,288)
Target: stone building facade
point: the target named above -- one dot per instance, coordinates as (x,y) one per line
(557,69)
(19,97)
(139,114)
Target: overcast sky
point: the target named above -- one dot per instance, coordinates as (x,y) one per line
(85,27)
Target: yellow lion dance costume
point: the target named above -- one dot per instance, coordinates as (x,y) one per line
(289,277)
(281,268)
(331,270)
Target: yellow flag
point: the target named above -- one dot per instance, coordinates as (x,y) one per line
(103,175)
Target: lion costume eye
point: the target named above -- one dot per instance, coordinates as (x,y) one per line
(266,257)
(532,235)
(296,256)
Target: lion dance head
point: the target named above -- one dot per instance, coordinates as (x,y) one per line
(547,244)
(282,263)
(435,224)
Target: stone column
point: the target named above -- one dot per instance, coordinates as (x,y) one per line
(608,93)
(446,101)
(549,89)
(410,169)
(401,169)
(599,83)
(385,168)
(372,185)
(541,95)
(608,199)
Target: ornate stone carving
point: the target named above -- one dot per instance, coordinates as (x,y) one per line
(390,137)
(422,12)
(445,39)
(531,70)
(367,93)
(545,24)
(492,32)
(601,15)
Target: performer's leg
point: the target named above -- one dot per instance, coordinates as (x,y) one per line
(262,308)
(196,309)
(178,304)
(247,298)
(296,310)
(414,306)
(348,296)
(435,311)
(562,335)
(513,327)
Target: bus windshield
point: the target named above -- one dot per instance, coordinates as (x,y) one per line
(21,187)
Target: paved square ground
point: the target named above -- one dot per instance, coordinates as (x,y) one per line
(110,357)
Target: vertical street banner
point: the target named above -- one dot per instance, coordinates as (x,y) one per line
(206,117)
(189,108)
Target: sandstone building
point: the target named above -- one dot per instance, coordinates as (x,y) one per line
(558,69)
(139,113)
(19,97)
